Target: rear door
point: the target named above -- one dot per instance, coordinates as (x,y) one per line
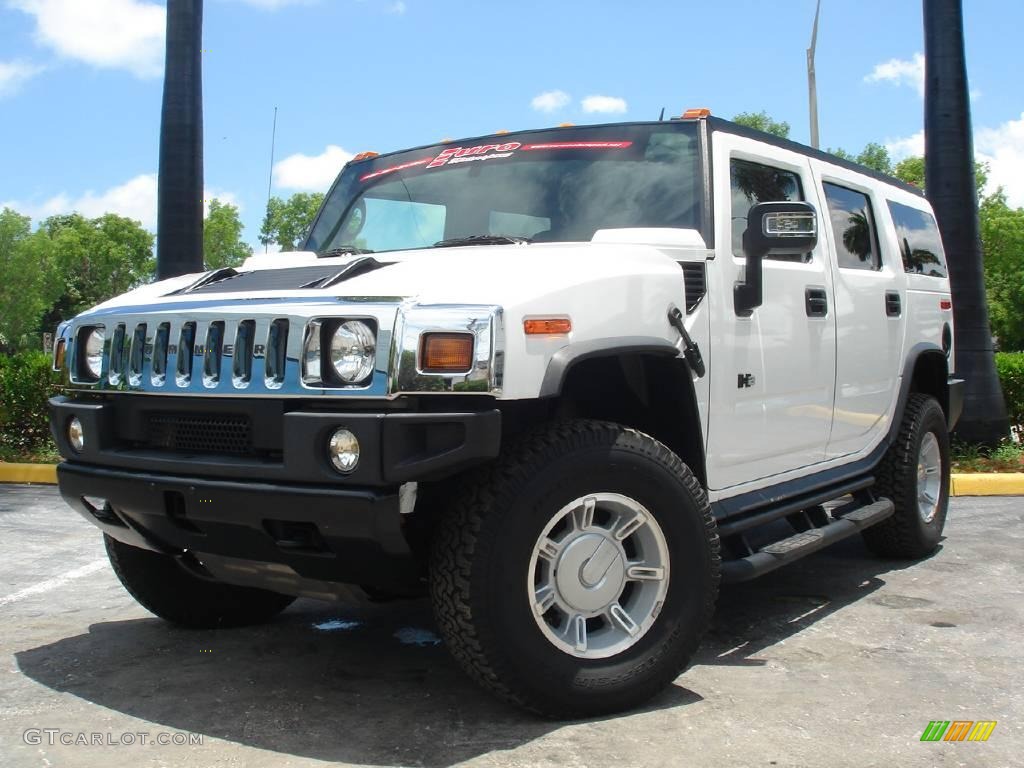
(772,373)
(870,308)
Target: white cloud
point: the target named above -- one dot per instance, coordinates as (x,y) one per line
(1003,149)
(14,74)
(135,199)
(118,34)
(909,146)
(900,72)
(550,101)
(397,8)
(611,104)
(222,195)
(310,172)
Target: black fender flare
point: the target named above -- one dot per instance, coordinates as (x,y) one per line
(565,359)
(910,361)
(568,356)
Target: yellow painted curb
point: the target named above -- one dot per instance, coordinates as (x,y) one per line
(990,484)
(28,473)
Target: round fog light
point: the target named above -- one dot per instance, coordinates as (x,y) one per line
(76,434)
(344,450)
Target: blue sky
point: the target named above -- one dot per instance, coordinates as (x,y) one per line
(80,83)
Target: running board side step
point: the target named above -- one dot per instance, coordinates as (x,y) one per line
(787,550)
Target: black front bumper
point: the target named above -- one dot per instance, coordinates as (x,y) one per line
(304,533)
(287,445)
(280,517)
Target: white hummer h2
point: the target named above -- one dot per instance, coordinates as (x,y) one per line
(566,380)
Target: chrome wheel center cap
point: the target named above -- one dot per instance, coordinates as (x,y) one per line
(591,572)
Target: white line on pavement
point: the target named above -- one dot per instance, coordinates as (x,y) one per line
(56,581)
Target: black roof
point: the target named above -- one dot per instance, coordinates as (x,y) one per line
(719,124)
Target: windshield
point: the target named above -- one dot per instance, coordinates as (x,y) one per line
(552,186)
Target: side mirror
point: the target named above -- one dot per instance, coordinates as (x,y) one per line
(772,229)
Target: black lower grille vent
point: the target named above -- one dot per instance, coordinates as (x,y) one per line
(220,434)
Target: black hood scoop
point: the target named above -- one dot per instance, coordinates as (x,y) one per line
(230,280)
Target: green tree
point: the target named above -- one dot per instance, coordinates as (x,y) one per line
(762,121)
(876,157)
(93,260)
(28,286)
(222,237)
(842,154)
(911,171)
(288,221)
(1002,235)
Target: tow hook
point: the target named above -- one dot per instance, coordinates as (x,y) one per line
(691,352)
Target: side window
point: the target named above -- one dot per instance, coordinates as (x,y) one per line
(919,239)
(853,228)
(753,183)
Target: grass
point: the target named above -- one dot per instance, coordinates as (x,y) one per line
(44,454)
(1007,457)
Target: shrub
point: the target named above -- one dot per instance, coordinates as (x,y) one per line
(1011,375)
(26,383)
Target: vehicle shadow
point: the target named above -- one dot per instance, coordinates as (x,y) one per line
(368,684)
(755,615)
(372,686)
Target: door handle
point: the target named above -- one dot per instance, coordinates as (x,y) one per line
(816,301)
(893,305)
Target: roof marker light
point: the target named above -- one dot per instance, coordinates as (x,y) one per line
(364,156)
(696,114)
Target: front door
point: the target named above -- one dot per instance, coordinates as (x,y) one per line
(772,373)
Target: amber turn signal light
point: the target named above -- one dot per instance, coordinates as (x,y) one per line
(446,353)
(547,326)
(58,355)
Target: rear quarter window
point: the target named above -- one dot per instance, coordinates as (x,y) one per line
(919,240)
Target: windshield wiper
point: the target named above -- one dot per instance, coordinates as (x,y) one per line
(482,240)
(344,250)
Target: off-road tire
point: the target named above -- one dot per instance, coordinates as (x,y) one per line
(163,587)
(480,561)
(906,535)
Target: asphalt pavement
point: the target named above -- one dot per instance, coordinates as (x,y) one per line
(841,659)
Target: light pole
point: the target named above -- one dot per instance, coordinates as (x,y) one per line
(812,83)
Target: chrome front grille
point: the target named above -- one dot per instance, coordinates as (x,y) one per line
(203,355)
(234,351)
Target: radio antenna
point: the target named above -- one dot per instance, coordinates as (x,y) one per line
(270,180)
(662,115)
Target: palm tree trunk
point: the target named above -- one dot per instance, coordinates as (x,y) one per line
(950,182)
(179,244)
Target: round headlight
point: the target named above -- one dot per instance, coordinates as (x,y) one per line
(94,352)
(76,434)
(343,450)
(353,351)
